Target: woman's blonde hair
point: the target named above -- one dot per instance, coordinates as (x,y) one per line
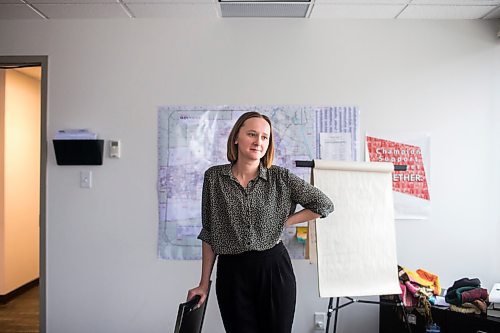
(232,147)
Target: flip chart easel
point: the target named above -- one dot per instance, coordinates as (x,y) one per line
(351,300)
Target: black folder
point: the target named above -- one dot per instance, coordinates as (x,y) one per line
(190,318)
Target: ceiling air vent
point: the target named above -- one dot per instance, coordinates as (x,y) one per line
(265,8)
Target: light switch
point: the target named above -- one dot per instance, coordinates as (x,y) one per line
(86,179)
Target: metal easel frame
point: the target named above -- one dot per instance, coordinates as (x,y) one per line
(331,309)
(353,300)
(310,164)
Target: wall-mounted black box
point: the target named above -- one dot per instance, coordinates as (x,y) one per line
(79,152)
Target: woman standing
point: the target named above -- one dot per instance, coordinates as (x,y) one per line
(245,207)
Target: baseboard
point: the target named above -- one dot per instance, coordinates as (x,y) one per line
(16,292)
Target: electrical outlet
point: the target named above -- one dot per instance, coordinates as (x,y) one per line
(319,320)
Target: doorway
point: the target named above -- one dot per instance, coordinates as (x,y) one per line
(22,64)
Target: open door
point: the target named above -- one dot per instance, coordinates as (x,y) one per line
(23,153)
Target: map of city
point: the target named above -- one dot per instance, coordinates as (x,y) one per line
(191,139)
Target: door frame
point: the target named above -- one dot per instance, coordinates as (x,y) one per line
(41,61)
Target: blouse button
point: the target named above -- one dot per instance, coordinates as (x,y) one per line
(248,243)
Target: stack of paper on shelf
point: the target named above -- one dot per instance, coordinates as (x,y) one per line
(75,134)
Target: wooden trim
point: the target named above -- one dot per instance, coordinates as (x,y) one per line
(4,299)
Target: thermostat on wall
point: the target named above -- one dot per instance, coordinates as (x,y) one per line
(114,148)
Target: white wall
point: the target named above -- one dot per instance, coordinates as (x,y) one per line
(20,137)
(439,77)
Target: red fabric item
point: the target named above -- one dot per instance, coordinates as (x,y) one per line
(474,294)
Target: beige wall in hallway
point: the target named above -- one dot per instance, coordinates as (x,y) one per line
(20,171)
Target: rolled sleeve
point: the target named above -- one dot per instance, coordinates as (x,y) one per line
(205,236)
(309,196)
(205,233)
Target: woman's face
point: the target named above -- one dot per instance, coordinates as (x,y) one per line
(253,139)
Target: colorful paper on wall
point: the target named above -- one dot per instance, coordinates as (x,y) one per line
(302,234)
(411,187)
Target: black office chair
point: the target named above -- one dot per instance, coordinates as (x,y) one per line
(189,319)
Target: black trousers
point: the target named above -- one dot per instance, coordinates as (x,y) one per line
(256,291)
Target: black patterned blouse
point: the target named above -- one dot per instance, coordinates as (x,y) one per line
(237,219)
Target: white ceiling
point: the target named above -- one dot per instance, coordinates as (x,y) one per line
(337,9)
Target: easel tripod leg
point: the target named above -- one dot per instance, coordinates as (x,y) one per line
(329,314)
(336,316)
(405,315)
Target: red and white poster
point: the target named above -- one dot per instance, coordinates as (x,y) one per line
(411,187)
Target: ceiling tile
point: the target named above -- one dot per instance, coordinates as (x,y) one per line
(336,9)
(82,11)
(17,11)
(355,11)
(445,12)
(70,2)
(456,2)
(364,2)
(175,2)
(495,14)
(141,10)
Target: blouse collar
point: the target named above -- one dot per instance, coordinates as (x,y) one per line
(262,171)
